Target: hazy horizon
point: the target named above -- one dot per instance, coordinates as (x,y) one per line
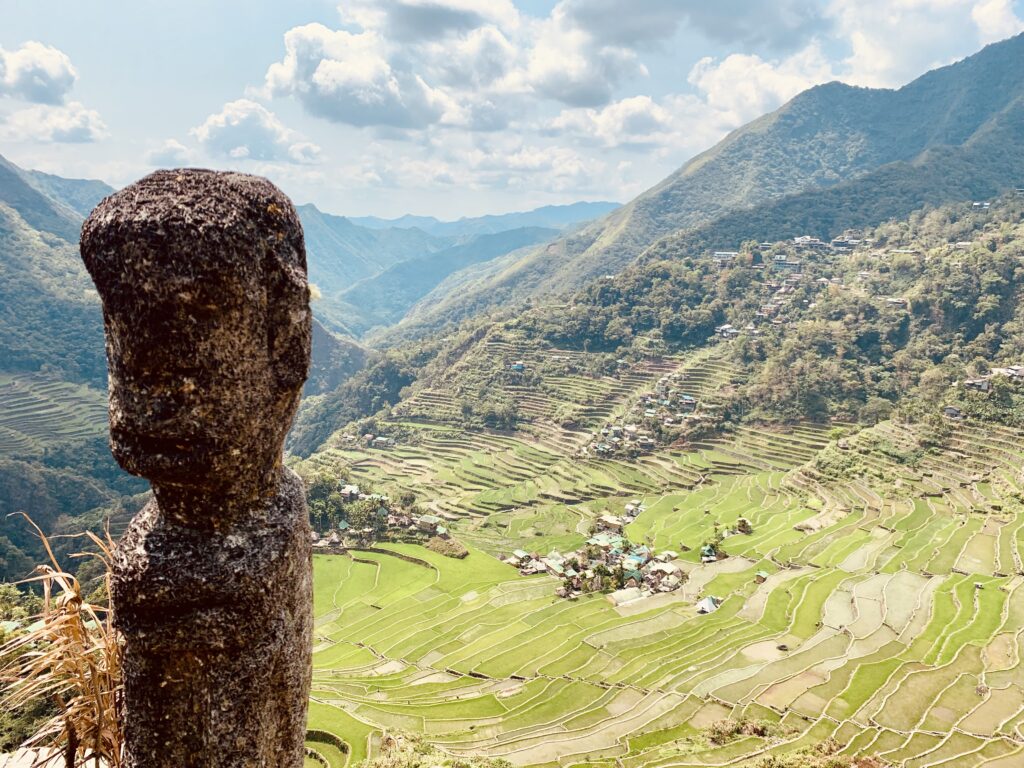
(444,108)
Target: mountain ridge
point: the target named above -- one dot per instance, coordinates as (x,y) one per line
(825,136)
(552,216)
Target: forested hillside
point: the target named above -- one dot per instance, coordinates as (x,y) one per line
(884,318)
(834,156)
(53,457)
(383,300)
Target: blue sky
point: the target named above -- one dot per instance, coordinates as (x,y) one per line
(441,107)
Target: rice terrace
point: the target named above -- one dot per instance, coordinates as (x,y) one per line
(512,384)
(876,601)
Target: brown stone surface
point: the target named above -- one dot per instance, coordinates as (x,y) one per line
(206,305)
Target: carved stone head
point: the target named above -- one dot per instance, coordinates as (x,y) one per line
(202,276)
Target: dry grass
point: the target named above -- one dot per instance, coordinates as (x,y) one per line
(71,657)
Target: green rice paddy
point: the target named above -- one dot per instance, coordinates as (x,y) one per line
(888,614)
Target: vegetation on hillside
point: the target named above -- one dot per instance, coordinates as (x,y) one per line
(834,157)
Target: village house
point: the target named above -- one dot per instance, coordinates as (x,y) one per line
(708,605)
(810,243)
(845,243)
(1015,373)
(952,412)
(400,520)
(783,262)
(610,523)
(981,384)
(429,524)
(725,258)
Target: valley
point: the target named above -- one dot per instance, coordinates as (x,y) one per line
(857,594)
(729,475)
(873,607)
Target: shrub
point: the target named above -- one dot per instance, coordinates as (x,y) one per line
(447,547)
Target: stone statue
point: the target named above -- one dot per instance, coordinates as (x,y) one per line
(202,276)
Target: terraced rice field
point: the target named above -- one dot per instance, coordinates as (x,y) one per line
(36,411)
(891,617)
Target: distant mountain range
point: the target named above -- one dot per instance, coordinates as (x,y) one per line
(834,156)
(371,271)
(550,216)
(49,313)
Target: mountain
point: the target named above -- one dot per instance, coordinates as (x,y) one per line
(80,195)
(334,360)
(858,142)
(834,333)
(550,216)
(49,312)
(369,276)
(20,192)
(384,299)
(54,460)
(340,253)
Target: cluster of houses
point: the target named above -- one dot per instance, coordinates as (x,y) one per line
(773,310)
(370,440)
(606,561)
(392,524)
(789,275)
(1015,373)
(844,243)
(983,384)
(624,438)
(667,406)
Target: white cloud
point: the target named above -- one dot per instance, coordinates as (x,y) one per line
(70,124)
(413,64)
(996,20)
(245,130)
(476,94)
(412,20)
(567,65)
(346,77)
(637,121)
(44,76)
(781,25)
(741,87)
(894,41)
(171,154)
(37,73)
(476,60)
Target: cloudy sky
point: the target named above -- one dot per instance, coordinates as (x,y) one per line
(441,107)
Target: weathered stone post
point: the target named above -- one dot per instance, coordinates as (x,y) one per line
(206,306)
